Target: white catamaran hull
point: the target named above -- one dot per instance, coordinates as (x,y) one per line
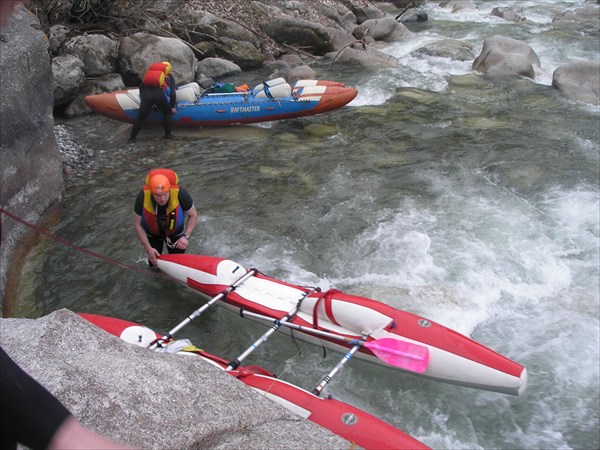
(453,357)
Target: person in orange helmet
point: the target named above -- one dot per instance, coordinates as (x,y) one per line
(160,211)
(158,90)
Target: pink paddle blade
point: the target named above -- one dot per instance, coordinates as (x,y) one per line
(401,354)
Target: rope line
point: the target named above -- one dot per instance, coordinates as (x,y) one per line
(77,247)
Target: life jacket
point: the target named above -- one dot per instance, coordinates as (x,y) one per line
(154,78)
(174,215)
(157,76)
(159,66)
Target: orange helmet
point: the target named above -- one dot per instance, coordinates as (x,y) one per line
(159,184)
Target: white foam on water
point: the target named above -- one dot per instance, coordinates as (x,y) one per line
(430,73)
(463,269)
(414,70)
(523,271)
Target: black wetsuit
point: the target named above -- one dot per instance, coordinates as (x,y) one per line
(155,96)
(29,414)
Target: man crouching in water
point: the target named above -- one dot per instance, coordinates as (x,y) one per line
(160,211)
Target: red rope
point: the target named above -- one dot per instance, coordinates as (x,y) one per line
(77,247)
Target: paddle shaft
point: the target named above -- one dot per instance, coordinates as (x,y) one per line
(317,390)
(304,329)
(203,308)
(390,350)
(277,323)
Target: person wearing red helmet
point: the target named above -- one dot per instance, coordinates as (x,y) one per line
(160,211)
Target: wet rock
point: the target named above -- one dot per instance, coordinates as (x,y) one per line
(458,5)
(303,72)
(579,80)
(581,14)
(506,56)
(448,48)
(413,15)
(385,29)
(340,38)
(367,56)
(511,13)
(401,4)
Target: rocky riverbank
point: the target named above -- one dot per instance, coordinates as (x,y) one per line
(151,400)
(209,40)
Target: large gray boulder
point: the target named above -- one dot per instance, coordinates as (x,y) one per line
(242,53)
(106,83)
(505,56)
(384,29)
(579,80)
(364,13)
(302,72)
(340,38)
(98,53)
(338,13)
(228,29)
(68,78)
(216,68)
(309,36)
(137,50)
(151,400)
(585,17)
(30,162)
(211,35)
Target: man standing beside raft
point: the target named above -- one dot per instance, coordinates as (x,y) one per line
(158,89)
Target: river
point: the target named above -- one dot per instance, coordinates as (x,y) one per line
(469,200)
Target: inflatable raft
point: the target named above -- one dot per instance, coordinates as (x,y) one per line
(271,100)
(346,421)
(343,321)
